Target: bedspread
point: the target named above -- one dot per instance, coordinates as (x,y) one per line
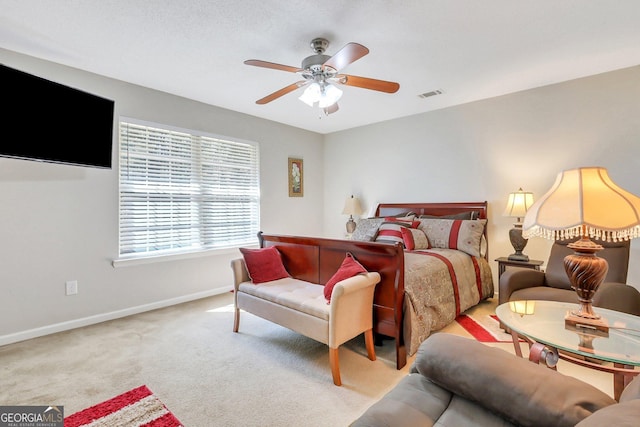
(440,284)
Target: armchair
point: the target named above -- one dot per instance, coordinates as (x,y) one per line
(553,284)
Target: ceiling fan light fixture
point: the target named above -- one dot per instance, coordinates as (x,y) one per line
(329,96)
(311,94)
(323,94)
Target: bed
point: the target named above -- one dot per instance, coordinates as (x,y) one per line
(421,290)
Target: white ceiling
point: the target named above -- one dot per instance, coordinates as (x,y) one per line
(469,49)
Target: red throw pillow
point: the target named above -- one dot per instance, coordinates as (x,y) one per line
(414,238)
(349,268)
(264,264)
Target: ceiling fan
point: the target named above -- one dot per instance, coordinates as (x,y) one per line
(321,72)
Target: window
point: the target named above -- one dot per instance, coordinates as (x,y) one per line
(183,191)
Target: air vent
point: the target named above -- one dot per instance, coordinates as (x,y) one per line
(428,94)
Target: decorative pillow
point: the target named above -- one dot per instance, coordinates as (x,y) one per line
(366,229)
(391,232)
(408,221)
(414,238)
(264,264)
(349,268)
(403,215)
(461,215)
(464,235)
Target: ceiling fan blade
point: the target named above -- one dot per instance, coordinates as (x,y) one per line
(272,65)
(331,109)
(277,94)
(367,83)
(351,52)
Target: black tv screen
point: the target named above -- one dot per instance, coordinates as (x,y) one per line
(50,122)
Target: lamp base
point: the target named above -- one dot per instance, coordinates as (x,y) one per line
(518,257)
(518,242)
(586,272)
(585,325)
(351,225)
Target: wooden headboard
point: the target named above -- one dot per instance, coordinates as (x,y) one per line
(436,209)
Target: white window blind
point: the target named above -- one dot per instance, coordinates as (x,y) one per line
(184,192)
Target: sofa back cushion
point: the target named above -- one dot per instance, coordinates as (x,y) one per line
(522,392)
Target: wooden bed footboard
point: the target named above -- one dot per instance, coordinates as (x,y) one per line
(315,260)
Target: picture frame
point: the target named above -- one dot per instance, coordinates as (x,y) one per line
(296,177)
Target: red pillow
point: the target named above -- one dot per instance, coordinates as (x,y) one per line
(349,268)
(264,264)
(414,238)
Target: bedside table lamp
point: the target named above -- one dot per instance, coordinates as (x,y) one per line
(517,205)
(585,203)
(351,208)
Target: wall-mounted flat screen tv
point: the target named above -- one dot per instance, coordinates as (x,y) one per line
(50,122)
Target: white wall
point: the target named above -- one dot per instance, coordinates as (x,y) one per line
(486,149)
(60,222)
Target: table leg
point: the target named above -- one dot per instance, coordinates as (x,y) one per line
(620,380)
(516,343)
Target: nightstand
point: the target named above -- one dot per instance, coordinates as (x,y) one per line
(505,262)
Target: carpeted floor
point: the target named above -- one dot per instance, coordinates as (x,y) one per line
(206,375)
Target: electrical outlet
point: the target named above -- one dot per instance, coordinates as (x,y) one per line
(71,287)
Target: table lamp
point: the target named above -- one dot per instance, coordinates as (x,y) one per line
(352,207)
(517,205)
(584,203)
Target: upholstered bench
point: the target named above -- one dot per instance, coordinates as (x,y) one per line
(303,307)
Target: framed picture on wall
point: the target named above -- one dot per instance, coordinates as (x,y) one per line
(296,178)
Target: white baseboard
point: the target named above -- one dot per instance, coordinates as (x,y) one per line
(91,320)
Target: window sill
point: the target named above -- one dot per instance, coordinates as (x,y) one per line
(141,260)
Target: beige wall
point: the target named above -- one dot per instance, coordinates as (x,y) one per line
(486,149)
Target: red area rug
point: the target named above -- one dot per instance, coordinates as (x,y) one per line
(135,408)
(484,328)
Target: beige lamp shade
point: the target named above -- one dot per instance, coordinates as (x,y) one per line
(352,206)
(584,202)
(518,204)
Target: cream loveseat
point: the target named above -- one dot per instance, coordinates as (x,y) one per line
(302,307)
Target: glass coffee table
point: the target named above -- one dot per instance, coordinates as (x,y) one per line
(549,340)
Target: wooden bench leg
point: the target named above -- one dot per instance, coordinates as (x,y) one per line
(335,365)
(368,339)
(236,320)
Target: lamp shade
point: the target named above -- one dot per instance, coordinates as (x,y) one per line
(352,206)
(330,95)
(311,94)
(584,202)
(518,204)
